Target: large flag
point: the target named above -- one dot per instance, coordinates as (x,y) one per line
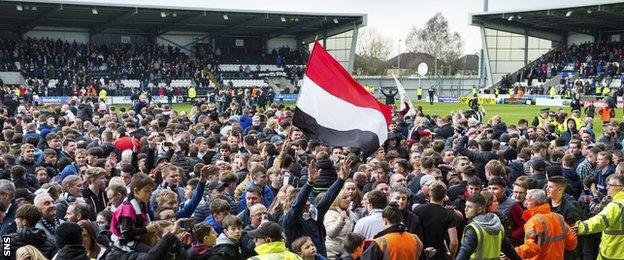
(335,110)
(403,96)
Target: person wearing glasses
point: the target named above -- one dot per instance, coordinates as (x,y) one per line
(610,221)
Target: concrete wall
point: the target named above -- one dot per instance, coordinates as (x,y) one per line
(182,39)
(444,86)
(578,38)
(65,34)
(277,43)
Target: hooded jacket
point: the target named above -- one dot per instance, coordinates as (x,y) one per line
(491,224)
(274,250)
(74,252)
(35,237)
(541,245)
(327,177)
(231,249)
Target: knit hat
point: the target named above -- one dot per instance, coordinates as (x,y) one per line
(68,233)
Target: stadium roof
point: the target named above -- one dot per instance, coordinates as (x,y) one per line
(551,23)
(97,17)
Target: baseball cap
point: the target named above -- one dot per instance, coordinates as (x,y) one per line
(426,180)
(215,185)
(267,229)
(276,139)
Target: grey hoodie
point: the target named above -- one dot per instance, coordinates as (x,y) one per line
(224,240)
(489,222)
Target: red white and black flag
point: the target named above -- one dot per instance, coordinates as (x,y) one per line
(335,110)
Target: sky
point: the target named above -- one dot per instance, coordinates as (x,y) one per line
(392,18)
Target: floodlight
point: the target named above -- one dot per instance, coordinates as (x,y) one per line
(94,11)
(569,13)
(19,7)
(283,19)
(163,14)
(510,18)
(174,14)
(335,20)
(226,17)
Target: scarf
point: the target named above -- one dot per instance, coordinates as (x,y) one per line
(200,249)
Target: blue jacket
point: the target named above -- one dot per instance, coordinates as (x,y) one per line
(69,170)
(601,177)
(213,222)
(295,226)
(267,197)
(32,134)
(8,223)
(190,205)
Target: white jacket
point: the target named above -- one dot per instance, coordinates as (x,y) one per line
(337,230)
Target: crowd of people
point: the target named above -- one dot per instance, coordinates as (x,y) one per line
(232,181)
(77,67)
(598,66)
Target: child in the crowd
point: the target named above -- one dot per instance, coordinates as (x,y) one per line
(354,247)
(204,240)
(305,248)
(228,243)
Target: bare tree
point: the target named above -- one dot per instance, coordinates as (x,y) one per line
(435,39)
(372,44)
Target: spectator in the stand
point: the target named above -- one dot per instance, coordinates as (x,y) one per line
(26,219)
(69,242)
(72,192)
(94,194)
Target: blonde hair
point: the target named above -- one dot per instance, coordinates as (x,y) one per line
(165,194)
(276,203)
(336,203)
(34,253)
(117,180)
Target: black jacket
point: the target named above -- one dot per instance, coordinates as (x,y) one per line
(72,252)
(328,174)
(85,112)
(412,223)
(478,159)
(97,202)
(35,237)
(446,131)
(169,247)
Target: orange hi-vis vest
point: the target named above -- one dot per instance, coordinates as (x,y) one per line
(546,234)
(400,245)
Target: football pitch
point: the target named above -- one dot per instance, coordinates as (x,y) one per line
(510,113)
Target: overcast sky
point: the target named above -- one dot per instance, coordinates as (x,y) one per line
(393,18)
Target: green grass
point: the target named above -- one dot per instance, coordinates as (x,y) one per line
(510,113)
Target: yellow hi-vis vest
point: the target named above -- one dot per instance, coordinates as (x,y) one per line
(488,245)
(610,221)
